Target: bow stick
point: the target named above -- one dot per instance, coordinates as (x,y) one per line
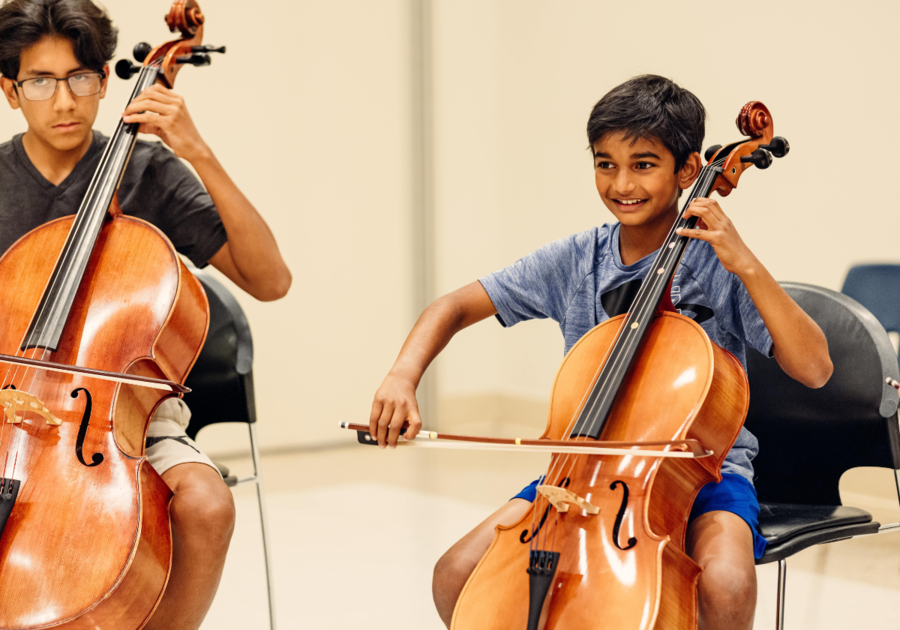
(689,449)
(128,379)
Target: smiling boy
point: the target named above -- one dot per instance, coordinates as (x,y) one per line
(54,58)
(645,137)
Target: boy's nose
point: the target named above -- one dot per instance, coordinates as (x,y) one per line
(63,99)
(623,182)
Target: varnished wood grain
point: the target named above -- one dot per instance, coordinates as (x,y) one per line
(681,386)
(89,547)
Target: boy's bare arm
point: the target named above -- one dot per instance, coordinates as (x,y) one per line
(395,402)
(799,346)
(250,258)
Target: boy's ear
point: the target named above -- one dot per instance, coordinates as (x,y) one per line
(105,81)
(690,171)
(9,90)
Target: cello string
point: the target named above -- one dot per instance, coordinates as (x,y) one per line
(663,260)
(602,392)
(82,223)
(645,309)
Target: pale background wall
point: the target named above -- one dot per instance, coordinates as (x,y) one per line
(312,111)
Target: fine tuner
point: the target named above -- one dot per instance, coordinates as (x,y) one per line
(763,156)
(200,56)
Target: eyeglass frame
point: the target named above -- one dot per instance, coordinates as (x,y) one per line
(102,74)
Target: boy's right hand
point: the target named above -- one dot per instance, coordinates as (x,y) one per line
(394,408)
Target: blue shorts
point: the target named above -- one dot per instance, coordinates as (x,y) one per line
(733,494)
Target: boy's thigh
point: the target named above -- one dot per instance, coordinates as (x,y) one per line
(468,550)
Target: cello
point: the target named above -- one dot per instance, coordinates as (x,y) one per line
(603,543)
(101,322)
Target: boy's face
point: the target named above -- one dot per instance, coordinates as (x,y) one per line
(637,179)
(64,121)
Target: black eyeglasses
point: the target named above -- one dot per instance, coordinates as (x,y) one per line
(43,88)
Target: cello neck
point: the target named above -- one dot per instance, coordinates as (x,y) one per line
(47,324)
(599,401)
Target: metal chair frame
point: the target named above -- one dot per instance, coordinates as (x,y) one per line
(782,564)
(228,320)
(890,457)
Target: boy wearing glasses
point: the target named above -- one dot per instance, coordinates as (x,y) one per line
(54,58)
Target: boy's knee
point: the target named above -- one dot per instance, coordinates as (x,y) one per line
(725,585)
(449,569)
(207,508)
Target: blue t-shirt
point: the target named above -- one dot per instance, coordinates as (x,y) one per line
(580,281)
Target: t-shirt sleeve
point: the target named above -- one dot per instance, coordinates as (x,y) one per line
(187,214)
(541,284)
(731,302)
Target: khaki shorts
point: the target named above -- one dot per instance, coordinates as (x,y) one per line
(167,443)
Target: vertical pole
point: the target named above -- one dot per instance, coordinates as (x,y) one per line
(422,163)
(782,581)
(897,484)
(263,522)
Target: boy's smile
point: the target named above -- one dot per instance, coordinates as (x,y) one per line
(59,128)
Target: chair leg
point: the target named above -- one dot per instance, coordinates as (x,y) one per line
(782,582)
(254,449)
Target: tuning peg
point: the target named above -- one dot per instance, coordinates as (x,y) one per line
(760,158)
(201,59)
(779,146)
(125,69)
(208,48)
(711,151)
(141,51)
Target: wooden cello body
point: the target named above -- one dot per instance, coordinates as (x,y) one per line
(88,544)
(101,321)
(691,390)
(603,545)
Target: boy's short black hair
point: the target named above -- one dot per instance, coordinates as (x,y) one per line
(24,22)
(654,108)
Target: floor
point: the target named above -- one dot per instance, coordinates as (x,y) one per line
(356,531)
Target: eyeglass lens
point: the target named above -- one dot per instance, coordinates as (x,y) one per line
(42,88)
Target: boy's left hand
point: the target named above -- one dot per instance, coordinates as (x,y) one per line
(716,228)
(162,112)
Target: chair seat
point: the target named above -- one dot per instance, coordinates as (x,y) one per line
(791,527)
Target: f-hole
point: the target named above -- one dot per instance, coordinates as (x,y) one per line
(96,458)
(631,541)
(526,535)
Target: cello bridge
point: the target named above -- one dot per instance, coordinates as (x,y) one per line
(560,498)
(15,402)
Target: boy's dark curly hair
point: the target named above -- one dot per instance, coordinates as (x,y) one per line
(654,108)
(24,22)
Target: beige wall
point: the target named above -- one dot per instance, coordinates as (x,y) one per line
(310,111)
(515,81)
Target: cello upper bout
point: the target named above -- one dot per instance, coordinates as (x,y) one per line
(654,382)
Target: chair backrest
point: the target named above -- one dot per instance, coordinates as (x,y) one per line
(222,378)
(809,437)
(877,287)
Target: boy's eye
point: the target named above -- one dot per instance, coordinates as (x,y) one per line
(39,82)
(604,165)
(643,166)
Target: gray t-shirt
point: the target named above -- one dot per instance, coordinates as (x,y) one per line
(156,187)
(580,281)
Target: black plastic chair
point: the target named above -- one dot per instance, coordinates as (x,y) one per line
(222,391)
(877,287)
(810,437)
